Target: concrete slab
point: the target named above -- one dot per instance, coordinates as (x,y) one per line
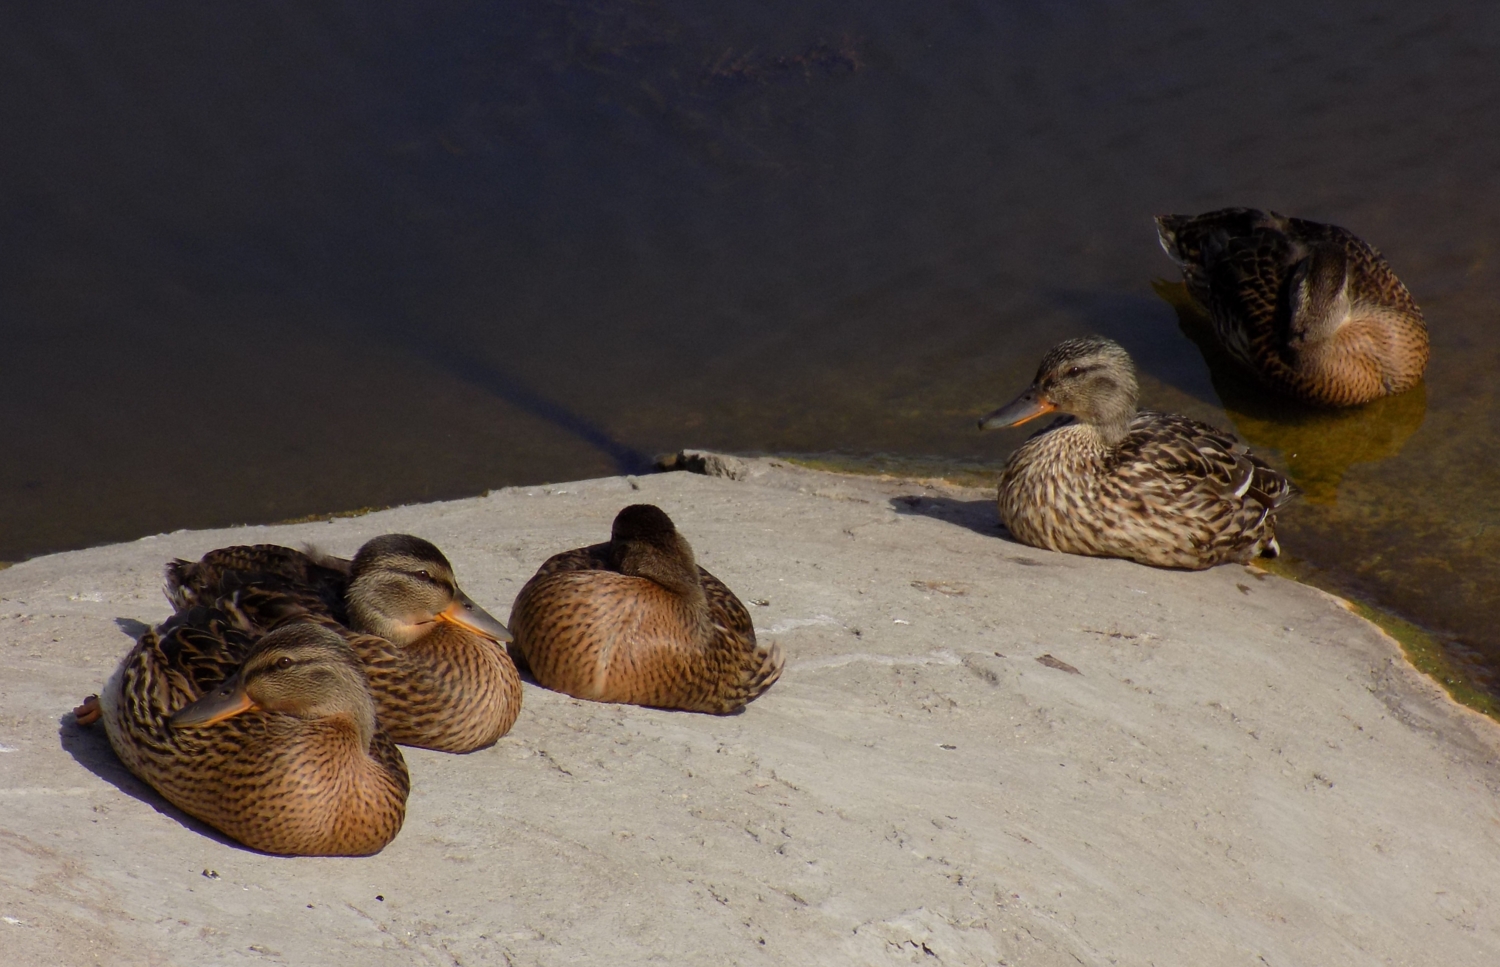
(979,753)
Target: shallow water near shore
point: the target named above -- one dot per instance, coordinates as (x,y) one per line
(262,263)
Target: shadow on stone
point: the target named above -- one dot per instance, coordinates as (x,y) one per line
(977,515)
(89,747)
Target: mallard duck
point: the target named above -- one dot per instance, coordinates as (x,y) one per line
(1120,482)
(637,620)
(1309,308)
(439,673)
(274,742)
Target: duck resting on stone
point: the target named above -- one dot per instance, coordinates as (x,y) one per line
(1310,309)
(437,667)
(274,742)
(1115,481)
(636,620)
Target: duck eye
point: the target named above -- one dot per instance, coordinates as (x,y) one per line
(285,661)
(1075,371)
(424,575)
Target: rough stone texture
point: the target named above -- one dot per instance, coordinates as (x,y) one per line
(1240,772)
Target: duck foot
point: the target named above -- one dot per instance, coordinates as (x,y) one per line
(88,713)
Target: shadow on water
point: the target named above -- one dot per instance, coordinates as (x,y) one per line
(1319,445)
(492,379)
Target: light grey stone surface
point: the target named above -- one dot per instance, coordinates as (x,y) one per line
(1240,772)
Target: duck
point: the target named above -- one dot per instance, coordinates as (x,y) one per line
(273,740)
(436,661)
(635,620)
(1312,310)
(1109,480)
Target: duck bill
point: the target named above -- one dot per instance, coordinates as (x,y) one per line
(1028,406)
(466,614)
(224,702)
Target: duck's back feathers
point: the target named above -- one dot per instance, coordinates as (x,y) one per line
(1203,457)
(272,582)
(1310,308)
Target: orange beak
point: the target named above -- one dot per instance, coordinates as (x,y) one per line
(225,702)
(470,616)
(1028,406)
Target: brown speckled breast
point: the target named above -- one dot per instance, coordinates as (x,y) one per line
(451,691)
(594,633)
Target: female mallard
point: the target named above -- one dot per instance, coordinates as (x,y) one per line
(439,673)
(1117,482)
(637,620)
(274,743)
(1312,310)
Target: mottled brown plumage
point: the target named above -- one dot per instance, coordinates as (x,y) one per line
(274,742)
(1312,310)
(440,677)
(637,620)
(1116,482)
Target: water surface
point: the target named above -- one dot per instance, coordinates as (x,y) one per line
(261,261)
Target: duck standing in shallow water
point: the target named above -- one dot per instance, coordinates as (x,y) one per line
(1309,308)
(439,673)
(274,743)
(637,620)
(1117,482)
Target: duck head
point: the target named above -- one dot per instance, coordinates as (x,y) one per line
(1091,378)
(644,542)
(402,587)
(302,669)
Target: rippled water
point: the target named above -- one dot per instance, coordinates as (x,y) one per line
(260,261)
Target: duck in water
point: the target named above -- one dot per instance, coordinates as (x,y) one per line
(1310,309)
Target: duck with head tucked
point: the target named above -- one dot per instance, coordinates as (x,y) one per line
(437,667)
(1120,482)
(1312,310)
(274,742)
(636,620)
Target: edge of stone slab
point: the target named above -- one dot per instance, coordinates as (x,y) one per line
(1422,657)
(1417,648)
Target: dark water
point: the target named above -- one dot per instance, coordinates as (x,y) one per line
(264,260)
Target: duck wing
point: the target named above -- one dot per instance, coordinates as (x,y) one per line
(1199,458)
(191,653)
(760,663)
(266,583)
(1201,243)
